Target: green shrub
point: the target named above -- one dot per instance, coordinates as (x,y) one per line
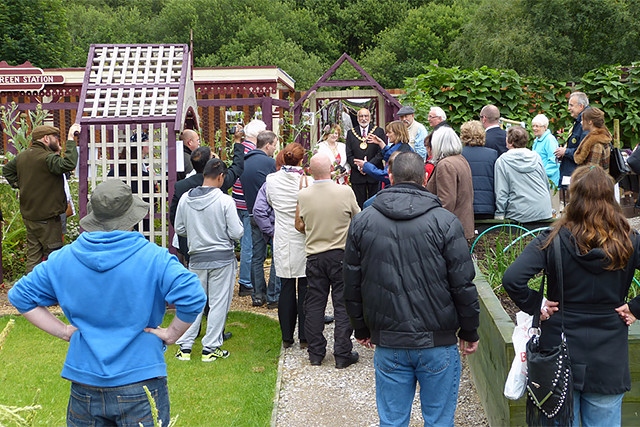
(14,235)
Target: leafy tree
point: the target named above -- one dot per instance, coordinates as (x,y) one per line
(120,25)
(405,49)
(304,67)
(259,32)
(35,31)
(562,40)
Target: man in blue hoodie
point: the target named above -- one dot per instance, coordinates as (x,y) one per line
(112,285)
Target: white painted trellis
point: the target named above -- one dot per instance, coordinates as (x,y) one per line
(128,91)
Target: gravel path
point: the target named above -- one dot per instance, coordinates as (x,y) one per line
(318,396)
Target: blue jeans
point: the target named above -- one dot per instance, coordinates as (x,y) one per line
(261,290)
(122,406)
(246,250)
(595,409)
(437,370)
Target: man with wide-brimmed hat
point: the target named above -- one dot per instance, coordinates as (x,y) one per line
(112,285)
(38,173)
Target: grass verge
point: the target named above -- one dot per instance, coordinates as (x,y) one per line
(237,391)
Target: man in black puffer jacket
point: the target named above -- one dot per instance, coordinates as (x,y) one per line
(409,291)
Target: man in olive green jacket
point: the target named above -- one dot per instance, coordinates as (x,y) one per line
(38,173)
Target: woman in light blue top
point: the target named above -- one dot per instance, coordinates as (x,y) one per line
(545,144)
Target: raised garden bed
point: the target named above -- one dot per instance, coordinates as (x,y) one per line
(491,363)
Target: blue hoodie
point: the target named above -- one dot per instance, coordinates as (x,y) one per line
(112,285)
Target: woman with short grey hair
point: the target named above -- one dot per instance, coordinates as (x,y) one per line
(545,145)
(451,178)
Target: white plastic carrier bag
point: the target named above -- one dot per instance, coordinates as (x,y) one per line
(516,383)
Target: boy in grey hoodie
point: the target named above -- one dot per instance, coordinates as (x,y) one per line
(209,219)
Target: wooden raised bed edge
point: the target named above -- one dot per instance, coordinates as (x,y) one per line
(490,365)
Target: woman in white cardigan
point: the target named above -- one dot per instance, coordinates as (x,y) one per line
(289,254)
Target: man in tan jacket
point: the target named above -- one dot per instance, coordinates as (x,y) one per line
(324,213)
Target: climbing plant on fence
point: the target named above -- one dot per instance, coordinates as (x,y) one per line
(463,92)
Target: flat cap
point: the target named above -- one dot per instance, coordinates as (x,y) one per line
(404,111)
(42,131)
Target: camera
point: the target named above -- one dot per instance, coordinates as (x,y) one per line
(232,130)
(340,169)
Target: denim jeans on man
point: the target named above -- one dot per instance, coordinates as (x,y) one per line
(595,409)
(246,249)
(262,291)
(437,370)
(126,405)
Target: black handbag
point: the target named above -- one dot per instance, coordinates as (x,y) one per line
(618,168)
(549,376)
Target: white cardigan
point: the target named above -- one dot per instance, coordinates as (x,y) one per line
(289,256)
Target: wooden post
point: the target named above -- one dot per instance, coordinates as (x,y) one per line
(616,132)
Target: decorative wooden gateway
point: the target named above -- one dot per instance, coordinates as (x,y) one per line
(135,102)
(381,103)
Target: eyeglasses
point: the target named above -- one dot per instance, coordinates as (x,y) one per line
(482,116)
(432,117)
(537,126)
(363,115)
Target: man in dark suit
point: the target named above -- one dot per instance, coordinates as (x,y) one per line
(364,186)
(496,137)
(199,159)
(578,102)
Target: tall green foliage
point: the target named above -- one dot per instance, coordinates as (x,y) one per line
(35,31)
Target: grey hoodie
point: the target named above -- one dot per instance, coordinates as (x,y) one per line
(521,186)
(209,220)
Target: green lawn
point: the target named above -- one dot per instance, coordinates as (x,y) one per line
(237,391)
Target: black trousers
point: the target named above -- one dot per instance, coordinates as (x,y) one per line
(290,307)
(324,273)
(364,191)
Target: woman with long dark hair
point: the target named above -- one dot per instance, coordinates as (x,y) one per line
(600,253)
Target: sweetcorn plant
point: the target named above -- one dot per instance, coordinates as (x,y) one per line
(17,126)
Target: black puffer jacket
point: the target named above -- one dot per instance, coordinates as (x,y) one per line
(408,273)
